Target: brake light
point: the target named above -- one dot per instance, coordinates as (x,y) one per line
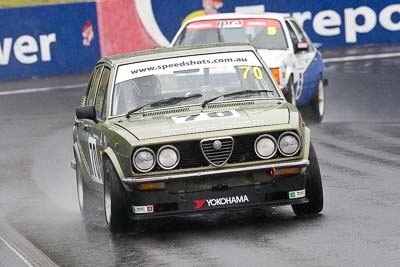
(275,73)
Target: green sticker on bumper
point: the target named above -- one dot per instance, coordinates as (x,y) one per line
(297,194)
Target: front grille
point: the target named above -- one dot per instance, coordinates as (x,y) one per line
(240,148)
(244,149)
(229,180)
(217,150)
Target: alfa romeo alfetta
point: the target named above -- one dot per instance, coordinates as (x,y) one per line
(175,131)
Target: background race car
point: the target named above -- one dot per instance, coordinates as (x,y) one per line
(295,62)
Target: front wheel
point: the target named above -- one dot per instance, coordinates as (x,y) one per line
(115,200)
(315,110)
(314,191)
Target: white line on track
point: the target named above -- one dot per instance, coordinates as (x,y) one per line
(16,252)
(43,89)
(362,57)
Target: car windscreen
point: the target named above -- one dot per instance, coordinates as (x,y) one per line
(261,33)
(207,76)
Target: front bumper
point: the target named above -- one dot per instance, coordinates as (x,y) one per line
(192,175)
(165,203)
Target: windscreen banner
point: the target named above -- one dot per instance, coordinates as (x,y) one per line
(172,65)
(49,40)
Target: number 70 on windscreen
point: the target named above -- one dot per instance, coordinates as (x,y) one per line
(256,71)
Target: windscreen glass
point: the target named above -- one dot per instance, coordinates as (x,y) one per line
(193,79)
(260,33)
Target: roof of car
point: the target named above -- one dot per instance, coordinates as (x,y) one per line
(267,15)
(164,52)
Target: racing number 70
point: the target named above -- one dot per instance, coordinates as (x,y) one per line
(257,72)
(206,116)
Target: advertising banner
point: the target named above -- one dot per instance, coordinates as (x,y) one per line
(48,40)
(332,23)
(69,38)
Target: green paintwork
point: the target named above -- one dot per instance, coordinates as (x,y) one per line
(265,113)
(123,134)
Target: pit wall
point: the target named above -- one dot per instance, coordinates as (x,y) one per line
(69,38)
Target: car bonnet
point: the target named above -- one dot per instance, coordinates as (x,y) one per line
(144,126)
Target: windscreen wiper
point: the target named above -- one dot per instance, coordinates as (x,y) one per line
(165,101)
(243,92)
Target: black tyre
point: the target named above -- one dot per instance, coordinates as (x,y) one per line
(315,110)
(314,191)
(115,200)
(85,195)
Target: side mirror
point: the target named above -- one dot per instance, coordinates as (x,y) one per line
(86,113)
(302,47)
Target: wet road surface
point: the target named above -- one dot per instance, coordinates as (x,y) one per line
(358,147)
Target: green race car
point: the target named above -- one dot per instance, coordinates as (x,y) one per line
(175,131)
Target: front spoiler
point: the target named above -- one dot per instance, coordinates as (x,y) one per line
(275,193)
(279,165)
(138,217)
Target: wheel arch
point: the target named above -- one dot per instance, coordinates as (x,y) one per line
(109,154)
(307,143)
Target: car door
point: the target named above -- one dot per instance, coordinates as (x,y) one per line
(96,138)
(313,70)
(303,60)
(83,126)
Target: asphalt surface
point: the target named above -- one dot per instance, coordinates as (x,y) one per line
(358,146)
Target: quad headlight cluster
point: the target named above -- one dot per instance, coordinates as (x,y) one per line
(144,159)
(266,145)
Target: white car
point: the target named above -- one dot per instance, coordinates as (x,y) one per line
(294,61)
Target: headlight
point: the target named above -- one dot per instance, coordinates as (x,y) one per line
(144,159)
(289,143)
(168,157)
(265,146)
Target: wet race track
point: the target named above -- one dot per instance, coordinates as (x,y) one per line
(358,146)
